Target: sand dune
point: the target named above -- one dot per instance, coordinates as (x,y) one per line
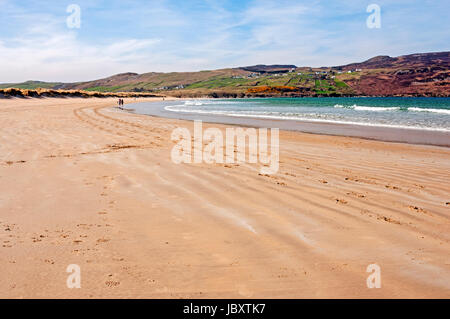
(83,183)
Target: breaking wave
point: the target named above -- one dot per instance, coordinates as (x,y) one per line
(418,109)
(367,108)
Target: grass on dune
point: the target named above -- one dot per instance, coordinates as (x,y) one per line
(41,92)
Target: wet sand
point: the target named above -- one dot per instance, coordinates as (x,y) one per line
(380,133)
(84,183)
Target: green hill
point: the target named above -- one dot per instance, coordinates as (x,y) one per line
(426,74)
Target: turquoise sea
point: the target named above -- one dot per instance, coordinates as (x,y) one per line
(420,113)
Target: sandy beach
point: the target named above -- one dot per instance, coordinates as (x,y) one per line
(84,183)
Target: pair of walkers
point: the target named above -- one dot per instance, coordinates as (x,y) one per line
(120,102)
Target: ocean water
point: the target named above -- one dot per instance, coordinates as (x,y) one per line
(419,113)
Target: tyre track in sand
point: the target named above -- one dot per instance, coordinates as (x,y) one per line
(139,134)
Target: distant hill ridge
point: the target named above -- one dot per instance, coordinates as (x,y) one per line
(418,59)
(420,74)
(262,68)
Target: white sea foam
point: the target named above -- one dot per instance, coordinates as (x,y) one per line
(375,109)
(197,103)
(209,102)
(418,109)
(283,116)
(367,108)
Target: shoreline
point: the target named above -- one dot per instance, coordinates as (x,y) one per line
(140,226)
(369,132)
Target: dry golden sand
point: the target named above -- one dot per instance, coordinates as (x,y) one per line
(83,183)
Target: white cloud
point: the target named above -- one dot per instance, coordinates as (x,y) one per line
(141,37)
(45,54)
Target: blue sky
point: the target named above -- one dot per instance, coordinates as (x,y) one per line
(164,36)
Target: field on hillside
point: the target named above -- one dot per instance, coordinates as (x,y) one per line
(413,75)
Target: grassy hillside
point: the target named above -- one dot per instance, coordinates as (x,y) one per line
(223,82)
(30,85)
(412,75)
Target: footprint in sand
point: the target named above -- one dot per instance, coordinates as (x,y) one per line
(356,194)
(110,282)
(118,258)
(392,187)
(388,219)
(419,210)
(290,174)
